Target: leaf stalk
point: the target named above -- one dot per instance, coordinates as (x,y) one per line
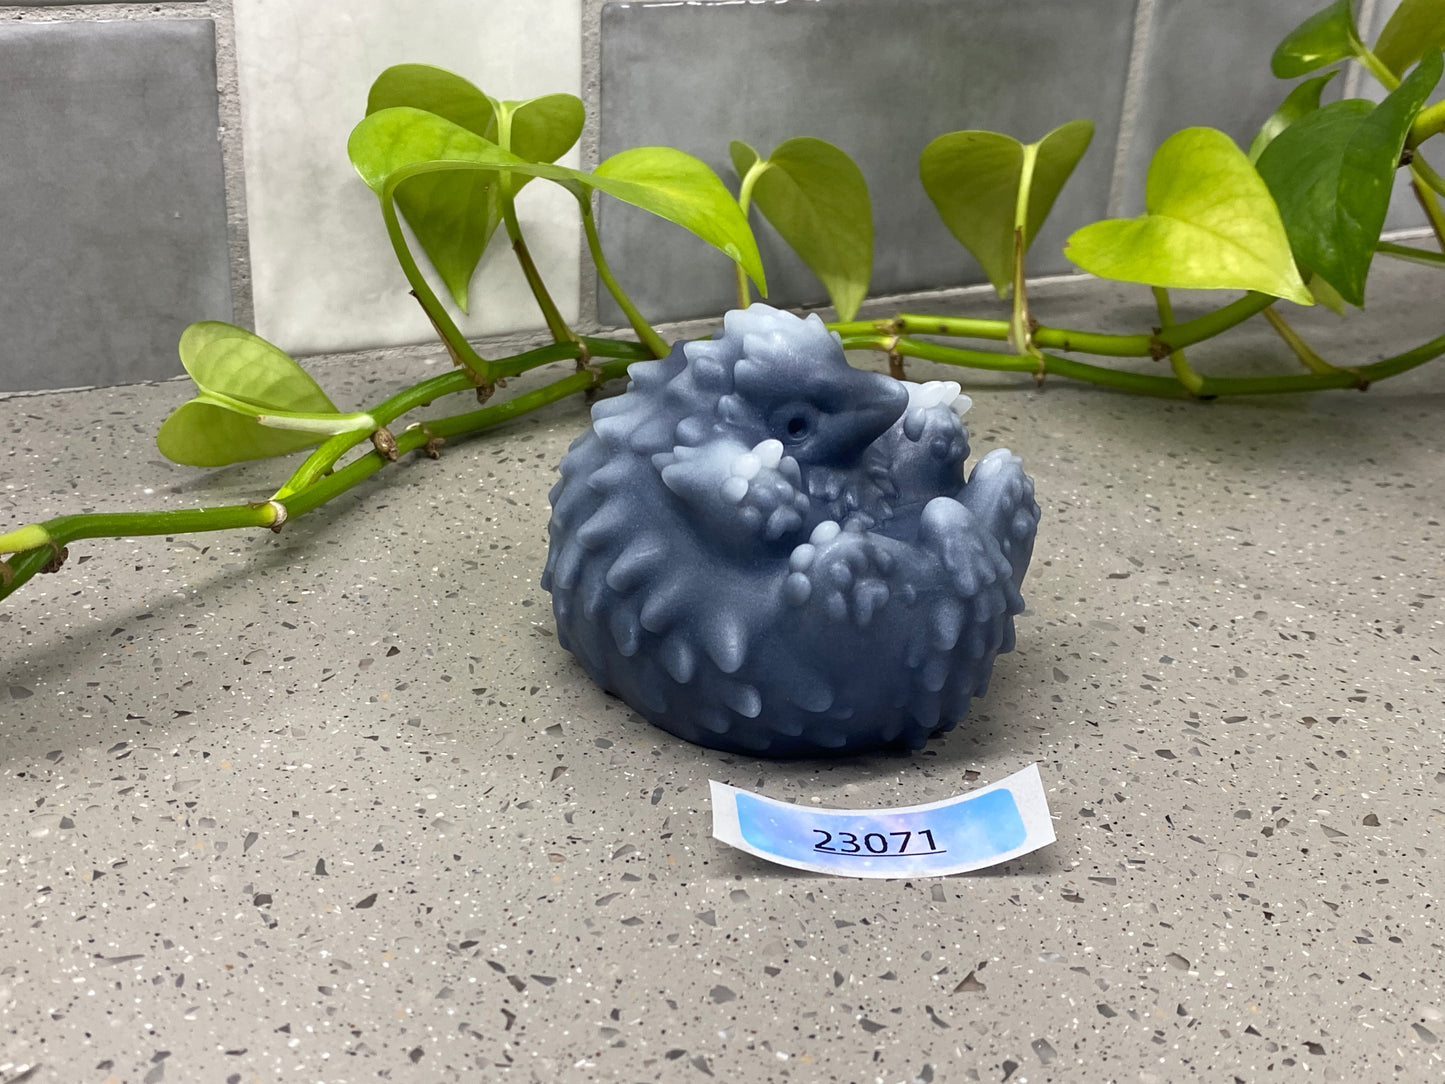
(745,197)
(643,329)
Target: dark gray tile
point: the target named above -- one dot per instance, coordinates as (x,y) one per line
(879,80)
(112,204)
(1208,64)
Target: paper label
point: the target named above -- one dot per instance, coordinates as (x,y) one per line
(974,830)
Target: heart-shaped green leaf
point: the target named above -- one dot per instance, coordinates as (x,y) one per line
(391,140)
(1323,38)
(231,361)
(1416,27)
(1302,100)
(453,215)
(1211,224)
(667,182)
(241,377)
(815,196)
(436,90)
(544,129)
(1332,172)
(201,434)
(973,178)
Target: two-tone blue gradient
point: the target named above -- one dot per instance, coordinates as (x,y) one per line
(967,834)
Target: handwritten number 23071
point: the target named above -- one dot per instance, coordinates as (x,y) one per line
(877,843)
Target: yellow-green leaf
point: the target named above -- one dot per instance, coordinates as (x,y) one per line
(684,190)
(1210,224)
(973,179)
(454,215)
(667,182)
(241,377)
(815,196)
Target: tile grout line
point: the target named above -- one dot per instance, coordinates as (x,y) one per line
(589,152)
(233,162)
(1129,112)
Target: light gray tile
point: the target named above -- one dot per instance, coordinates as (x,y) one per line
(112,205)
(1207,64)
(880,80)
(324,277)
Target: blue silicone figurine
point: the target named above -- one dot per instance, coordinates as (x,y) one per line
(764,550)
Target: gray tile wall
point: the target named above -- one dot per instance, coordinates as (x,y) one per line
(879,80)
(113,190)
(112,201)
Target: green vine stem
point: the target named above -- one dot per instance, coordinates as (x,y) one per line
(1431,204)
(550,313)
(643,329)
(324,458)
(1373,64)
(41,546)
(1307,355)
(1183,372)
(1051,338)
(1414,255)
(1429,122)
(1426,172)
(456,343)
(1166,387)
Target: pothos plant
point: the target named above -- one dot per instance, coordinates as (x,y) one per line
(1296,217)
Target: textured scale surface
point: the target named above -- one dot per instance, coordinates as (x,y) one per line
(764,550)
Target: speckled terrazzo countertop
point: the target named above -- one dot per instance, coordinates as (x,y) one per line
(333,804)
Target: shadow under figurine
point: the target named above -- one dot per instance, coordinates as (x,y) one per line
(764,550)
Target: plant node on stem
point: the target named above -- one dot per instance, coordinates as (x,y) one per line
(895,359)
(278,510)
(385,443)
(1022,326)
(1183,372)
(58,556)
(432,448)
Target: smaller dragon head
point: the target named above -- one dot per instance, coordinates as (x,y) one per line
(791,383)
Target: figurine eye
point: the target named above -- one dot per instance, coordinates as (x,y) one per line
(795,423)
